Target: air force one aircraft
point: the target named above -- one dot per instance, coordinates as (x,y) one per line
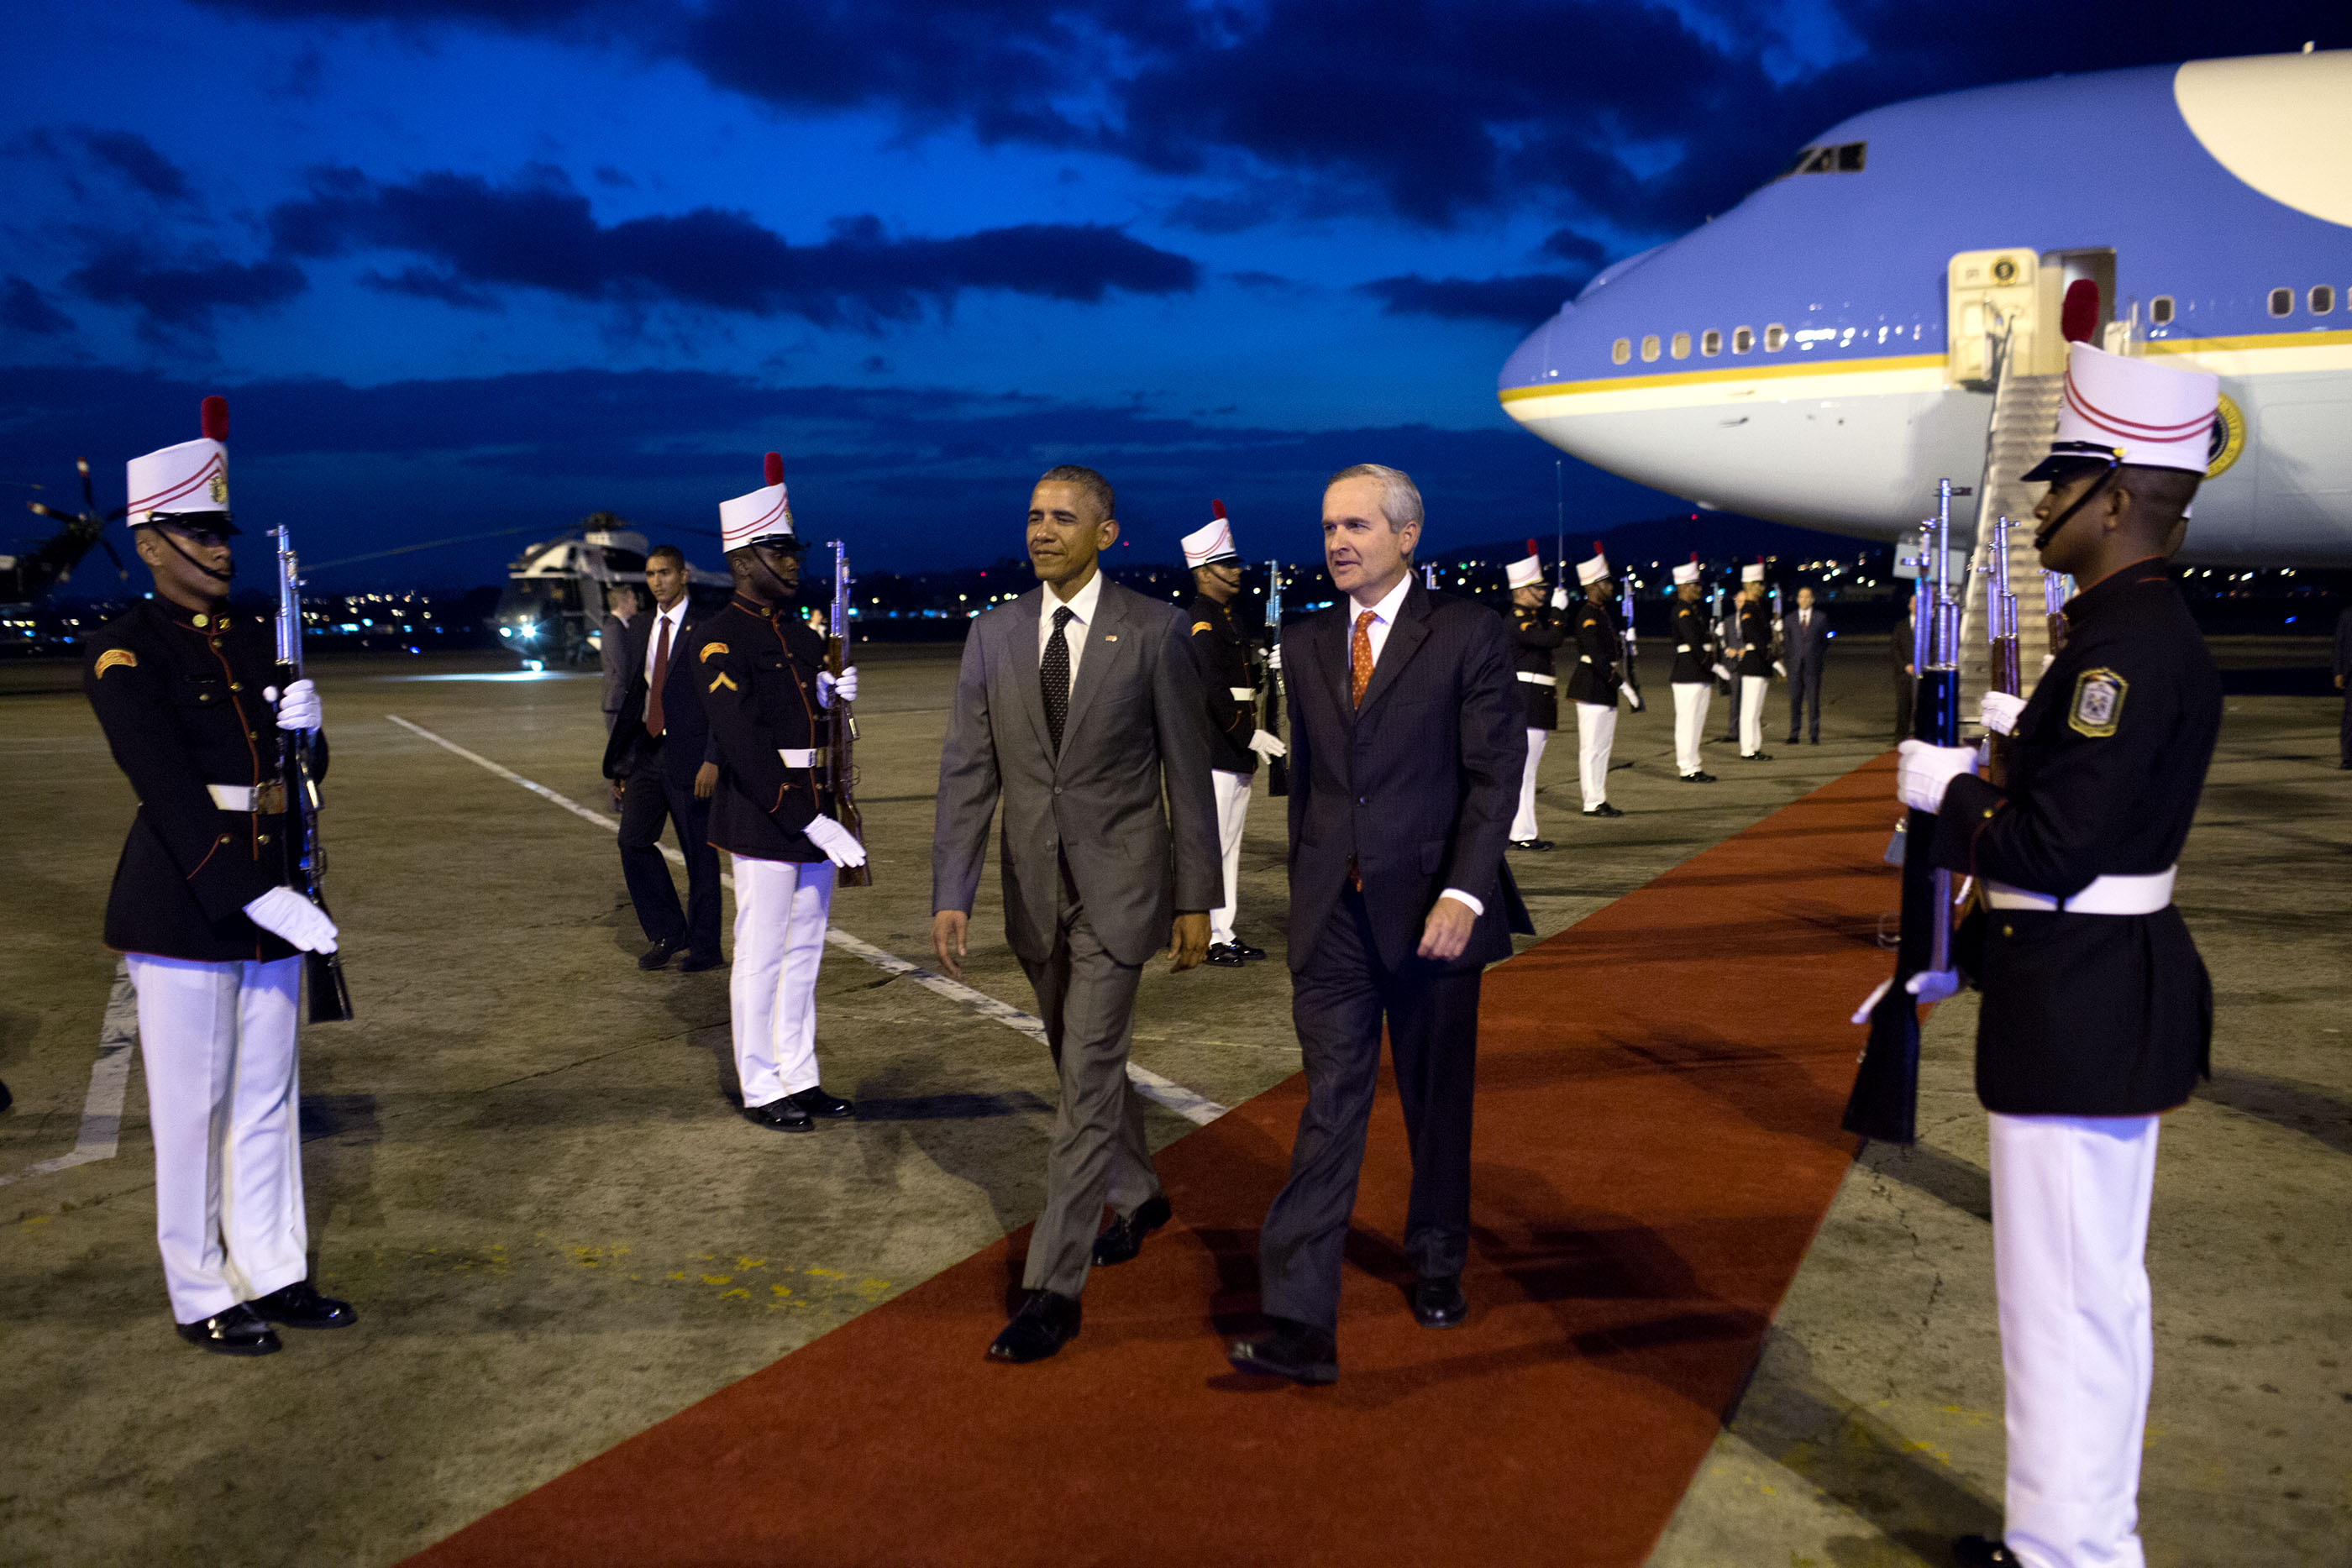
(1825,352)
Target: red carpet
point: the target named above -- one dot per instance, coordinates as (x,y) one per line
(1659,1090)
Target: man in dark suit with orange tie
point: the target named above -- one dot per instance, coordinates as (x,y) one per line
(663,769)
(1407,740)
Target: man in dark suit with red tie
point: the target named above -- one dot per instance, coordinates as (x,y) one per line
(663,769)
(1407,740)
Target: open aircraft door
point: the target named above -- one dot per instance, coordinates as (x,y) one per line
(2016,292)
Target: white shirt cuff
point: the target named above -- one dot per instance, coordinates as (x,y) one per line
(1475,907)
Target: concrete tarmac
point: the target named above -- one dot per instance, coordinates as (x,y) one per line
(525,1170)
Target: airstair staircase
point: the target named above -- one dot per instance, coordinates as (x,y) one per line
(2024,416)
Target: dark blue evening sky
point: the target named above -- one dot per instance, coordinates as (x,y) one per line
(474,264)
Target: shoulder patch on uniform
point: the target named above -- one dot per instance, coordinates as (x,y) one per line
(1199,627)
(2098,704)
(711,650)
(114,656)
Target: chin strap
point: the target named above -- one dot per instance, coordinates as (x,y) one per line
(790,590)
(228,576)
(2049,531)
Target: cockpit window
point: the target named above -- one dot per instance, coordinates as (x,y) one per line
(1845,158)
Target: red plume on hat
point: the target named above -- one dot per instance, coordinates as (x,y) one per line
(1217,510)
(1694,558)
(773,467)
(1532,550)
(215,415)
(2078,316)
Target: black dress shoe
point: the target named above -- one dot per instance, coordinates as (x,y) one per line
(817,1102)
(1983,1551)
(1604,809)
(237,1332)
(1046,1322)
(1438,1301)
(1294,1350)
(1755,756)
(7,1099)
(1246,951)
(298,1306)
(1225,956)
(696,963)
(1533,846)
(659,956)
(1791,741)
(783,1116)
(1124,1236)
(1698,777)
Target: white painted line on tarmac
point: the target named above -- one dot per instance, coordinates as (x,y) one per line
(1197,1108)
(110,1080)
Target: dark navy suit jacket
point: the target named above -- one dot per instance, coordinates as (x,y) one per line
(685,732)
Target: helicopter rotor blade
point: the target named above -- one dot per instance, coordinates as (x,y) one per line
(120,571)
(42,509)
(88,502)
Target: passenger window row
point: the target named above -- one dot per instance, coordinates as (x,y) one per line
(1710,344)
(2319,300)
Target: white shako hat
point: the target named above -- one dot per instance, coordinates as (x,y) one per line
(1689,571)
(2120,410)
(764,514)
(1212,545)
(1527,571)
(188,478)
(1591,571)
(1752,572)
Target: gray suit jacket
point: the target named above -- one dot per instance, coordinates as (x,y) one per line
(1137,732)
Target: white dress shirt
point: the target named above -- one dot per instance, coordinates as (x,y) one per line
(665,623)
(1081,606)
(1384,616)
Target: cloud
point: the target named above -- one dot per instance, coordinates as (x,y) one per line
(538,232)
(183,293)
(25,309)
(1520,301)
(125,155)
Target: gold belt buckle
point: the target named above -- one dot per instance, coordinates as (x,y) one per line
(270,800)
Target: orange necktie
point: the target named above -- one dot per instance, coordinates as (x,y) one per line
(1360,659)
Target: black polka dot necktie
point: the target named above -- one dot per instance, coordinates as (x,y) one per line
(1053,676)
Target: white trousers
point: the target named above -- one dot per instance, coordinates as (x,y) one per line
(1232,792)
(780,914)
(1523,825)
(2070,1201)
(223,1097)
(1596,727)
(1752,715)
(1691,700)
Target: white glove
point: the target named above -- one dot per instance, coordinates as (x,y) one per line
(1559,597)
(2000,711)
(1923,772)
(1929,986)
(1263,743)
(1274,657)
(284,913)
(1722,672)
(830,690)
(1779,669)
(298,708)
(839,844)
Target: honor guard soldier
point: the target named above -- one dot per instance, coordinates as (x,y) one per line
(1697,663)
(1229,671)
(201,911)
(1755,660)
(1595,681)
(2097,1012)
(1537,627)
(765,691)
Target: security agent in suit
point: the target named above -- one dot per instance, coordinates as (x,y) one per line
(1805,633)
(1755,661)
(664,766)
(1407,737)
(1080,705)
(201,911)
(765,693)
(1697,663)
(1731,645)
(1229,671)
(2097,1012)
(612,649)
(1595,681)
(1537,627)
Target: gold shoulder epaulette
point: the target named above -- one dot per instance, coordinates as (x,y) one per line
(114,656)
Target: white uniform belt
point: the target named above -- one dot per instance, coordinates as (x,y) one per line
(269,799)
(1535,680)
(2105,895)
(1241,693)
(1682,647)
(802,759)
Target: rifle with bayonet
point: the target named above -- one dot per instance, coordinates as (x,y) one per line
(2000,648)
(840,763)
(1884,1103)
(2057,588)
(1278,768)
(306,859)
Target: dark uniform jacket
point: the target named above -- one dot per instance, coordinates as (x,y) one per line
(1536,632)
(1695,649)
(1227,665)
(2095,1015)
(1594,678)
(178,695)
(758,667)
(1756,638)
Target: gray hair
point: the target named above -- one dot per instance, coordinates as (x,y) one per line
(1400,498)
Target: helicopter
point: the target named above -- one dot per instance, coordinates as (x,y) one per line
(558,591)
(28,577)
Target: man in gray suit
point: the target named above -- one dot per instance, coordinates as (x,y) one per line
(1805,633)
(1080,705)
